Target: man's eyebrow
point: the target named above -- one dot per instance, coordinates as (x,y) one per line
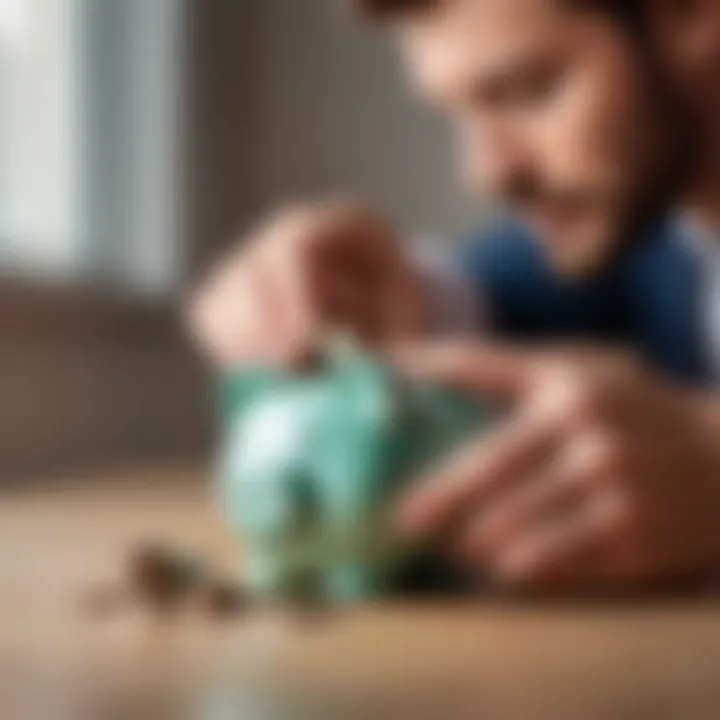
(497,77)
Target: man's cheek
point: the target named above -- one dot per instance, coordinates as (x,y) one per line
(591,138)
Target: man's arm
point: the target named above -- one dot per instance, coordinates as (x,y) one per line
(603,474)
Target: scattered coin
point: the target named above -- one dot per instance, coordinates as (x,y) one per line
(163,576)
(225,599)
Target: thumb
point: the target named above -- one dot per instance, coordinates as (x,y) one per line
(480,367)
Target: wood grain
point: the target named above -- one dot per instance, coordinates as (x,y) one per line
(475,660)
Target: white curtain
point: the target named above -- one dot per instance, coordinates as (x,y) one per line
(39,144)
(91,116)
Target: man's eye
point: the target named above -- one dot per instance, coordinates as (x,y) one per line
(533,88)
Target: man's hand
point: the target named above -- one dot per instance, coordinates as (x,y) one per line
(603,474)
(305,269)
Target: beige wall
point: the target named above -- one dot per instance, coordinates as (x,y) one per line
(222,190)
(90,380)
(331,111)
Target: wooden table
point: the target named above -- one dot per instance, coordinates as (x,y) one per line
(484,660)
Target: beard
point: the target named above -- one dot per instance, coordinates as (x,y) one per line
(671,163)
(653,166)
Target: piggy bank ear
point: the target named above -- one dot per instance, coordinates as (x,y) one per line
(240,388)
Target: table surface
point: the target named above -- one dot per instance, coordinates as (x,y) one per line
(471,660)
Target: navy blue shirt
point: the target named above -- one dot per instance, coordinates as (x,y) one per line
(647,299)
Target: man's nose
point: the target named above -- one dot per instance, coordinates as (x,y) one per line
(493,163)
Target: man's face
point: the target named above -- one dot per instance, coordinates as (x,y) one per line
(556,115)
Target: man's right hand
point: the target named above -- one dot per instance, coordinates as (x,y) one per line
(307,268)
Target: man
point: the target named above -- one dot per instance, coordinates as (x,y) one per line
(589,118)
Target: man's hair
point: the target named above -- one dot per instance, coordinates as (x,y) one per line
(628,11)
(382,8)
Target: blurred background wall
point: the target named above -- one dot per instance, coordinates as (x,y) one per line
(137,139)
(332,112)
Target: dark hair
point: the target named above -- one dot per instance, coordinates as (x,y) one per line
(381,8)
(628,11)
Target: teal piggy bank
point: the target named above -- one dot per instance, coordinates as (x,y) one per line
(312,466)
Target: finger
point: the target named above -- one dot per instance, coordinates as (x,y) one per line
(315,264)
(346,304)
(401,305)
(372,282)
(501,458)
(482,368)
(565,483)
(233,325)
(574,549)
(280,309)
(296,298)
(367,242)
(535,501)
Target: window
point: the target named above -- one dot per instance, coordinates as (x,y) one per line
(90,126)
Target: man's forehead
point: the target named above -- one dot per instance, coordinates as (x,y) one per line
(459,37)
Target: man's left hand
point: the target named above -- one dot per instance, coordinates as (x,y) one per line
(603,474)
